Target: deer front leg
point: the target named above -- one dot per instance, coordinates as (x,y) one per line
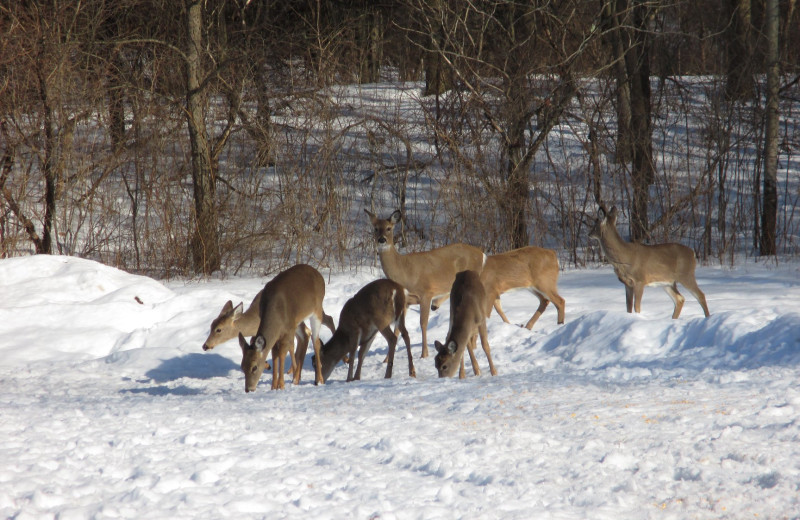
(402,328)
(629,298)
(471,349)
(424,314)
(499,309)
(638,290)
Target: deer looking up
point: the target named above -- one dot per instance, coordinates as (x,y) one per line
(426,275)
(639,265)
(467,320)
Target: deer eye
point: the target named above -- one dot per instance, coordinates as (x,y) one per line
(218,331)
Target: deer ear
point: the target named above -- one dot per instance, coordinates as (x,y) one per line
(237,311)
(228,307)
(243,343)
(259,343)
(395,218)
(439,346)
(371,214)
(451,347)
(612,215)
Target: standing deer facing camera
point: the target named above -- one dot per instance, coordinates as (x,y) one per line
(293,296)
(639,265)
(426,275)
(467,321)
(376,307)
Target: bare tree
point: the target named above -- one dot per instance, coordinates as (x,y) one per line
(769,208)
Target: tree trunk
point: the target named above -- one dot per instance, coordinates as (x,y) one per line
(205,237)
(769,208)
(740,85)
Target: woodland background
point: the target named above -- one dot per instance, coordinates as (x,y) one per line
(176,138)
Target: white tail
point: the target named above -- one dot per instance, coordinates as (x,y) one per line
(467,321)
(427,275)
(376,307)
(530,268)
(293,296)
(639,265)
(232,321)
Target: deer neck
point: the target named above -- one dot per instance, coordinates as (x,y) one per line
(250,319)
(616,250)
(393,264)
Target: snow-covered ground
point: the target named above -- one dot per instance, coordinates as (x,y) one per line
(110,409)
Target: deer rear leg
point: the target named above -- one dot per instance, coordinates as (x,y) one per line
(691,286)
(391,339)
(677,299)
(401,327)
(542,306)
(485,344)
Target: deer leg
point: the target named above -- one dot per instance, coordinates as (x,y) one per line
(424,314)
(560,304)
(638,290)
(677,299)
(437,302)
(391,339)
(499,309)
(276,365)
(542,306)
(362,353)
(471,349)
(691,286)
(351,364)
(629,298)
(316,323)
(462,374)
(401,326)
(485,344)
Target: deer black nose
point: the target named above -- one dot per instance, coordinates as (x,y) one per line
(382,240)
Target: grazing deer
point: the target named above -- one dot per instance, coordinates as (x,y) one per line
(293,296)
(467,321)
(532,268)
(232,320)
(426,275)
(376,307)
(638,265)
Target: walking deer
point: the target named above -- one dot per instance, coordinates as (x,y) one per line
(467,321)
(426,275)
(639,265)
(532,268)
(293,296)
(376,307)
(232,320)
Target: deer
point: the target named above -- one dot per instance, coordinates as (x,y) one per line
(533,268)
(640,265)
(233,320)
(426,275)
(468,301)
(376,307)
(287,300)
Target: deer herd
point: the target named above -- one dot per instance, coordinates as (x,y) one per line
(472,280)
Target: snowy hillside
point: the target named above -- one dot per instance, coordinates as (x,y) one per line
(110,408)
